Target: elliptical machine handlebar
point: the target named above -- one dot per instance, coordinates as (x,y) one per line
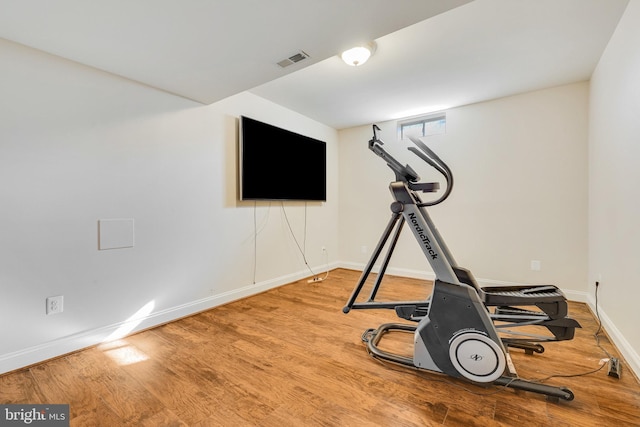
(436,162)
(407,174)
(403,173)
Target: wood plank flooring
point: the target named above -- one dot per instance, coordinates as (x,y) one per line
(290,357)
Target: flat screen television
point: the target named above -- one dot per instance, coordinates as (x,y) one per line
(277,164)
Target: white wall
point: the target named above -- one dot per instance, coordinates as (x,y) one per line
(520,192)
(78,145)
(614,175)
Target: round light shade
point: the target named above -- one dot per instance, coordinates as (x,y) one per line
(357,55)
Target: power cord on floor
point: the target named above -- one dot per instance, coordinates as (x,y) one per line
(302,250)
(612,362)
(432,376)
(614,368)
(609,359)
(614,365)
(597,334)
(580,374)
(257,231)
(255,242)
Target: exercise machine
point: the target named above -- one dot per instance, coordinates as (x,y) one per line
(461,329)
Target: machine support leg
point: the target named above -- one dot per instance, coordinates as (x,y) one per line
(395,217)
(387,258)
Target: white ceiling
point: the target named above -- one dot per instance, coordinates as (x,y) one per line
(483,50)
(432,54)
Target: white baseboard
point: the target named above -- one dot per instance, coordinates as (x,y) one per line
(68,344)
(71,343)
(571,295)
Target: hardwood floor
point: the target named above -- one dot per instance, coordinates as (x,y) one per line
(290,357)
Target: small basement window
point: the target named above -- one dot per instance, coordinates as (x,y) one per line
(432,124)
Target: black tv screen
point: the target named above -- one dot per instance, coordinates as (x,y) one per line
(277,164)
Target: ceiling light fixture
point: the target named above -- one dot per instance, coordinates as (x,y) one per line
(358,55)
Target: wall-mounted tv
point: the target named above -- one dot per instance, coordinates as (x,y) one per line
(277,164)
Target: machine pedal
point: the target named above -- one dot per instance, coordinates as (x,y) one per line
(411,312)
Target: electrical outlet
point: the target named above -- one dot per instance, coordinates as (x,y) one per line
(536,265)
(55,304)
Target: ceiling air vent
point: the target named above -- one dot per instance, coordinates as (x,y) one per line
(293,59)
